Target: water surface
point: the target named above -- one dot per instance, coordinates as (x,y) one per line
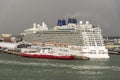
(18,68)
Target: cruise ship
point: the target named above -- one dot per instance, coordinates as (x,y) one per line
(84,39)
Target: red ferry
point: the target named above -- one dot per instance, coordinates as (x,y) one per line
(46,53)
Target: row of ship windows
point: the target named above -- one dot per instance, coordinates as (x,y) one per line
(89,34)
(94,52)
(87,30)
(92,45)
(100,52)
(91,39)
(94,39)
(95,36)
(92,42)
(61,40)
(97,53)
(70,39)
(58,34)
(75,36)
(62,36)
(92,32)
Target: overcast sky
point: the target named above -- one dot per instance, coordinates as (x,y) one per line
(17,15)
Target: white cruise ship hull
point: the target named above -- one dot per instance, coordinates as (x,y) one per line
(95,52)
(91,52)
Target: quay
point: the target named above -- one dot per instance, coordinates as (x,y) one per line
(113,52)
(18,54)
(10,52)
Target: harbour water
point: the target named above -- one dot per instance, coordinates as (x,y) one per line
(18,68)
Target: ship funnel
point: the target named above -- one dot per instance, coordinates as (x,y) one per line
(61,22)
(69,20)
(72,20)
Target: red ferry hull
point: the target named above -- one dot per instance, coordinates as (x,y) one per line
(47,56)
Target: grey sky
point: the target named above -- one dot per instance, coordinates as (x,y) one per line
(17,15)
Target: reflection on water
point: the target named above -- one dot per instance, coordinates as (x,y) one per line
(15,67)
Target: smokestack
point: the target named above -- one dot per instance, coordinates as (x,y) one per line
(69,20)
(59,23)
(72,20)
(63,22)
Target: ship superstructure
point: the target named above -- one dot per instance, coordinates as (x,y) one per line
(36,28)
(86,37)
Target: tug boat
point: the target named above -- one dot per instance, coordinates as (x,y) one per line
(46,53)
